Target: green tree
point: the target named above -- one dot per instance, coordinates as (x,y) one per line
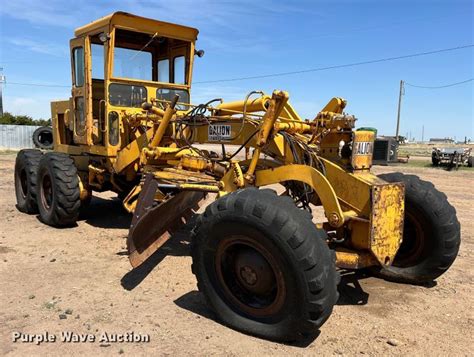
(8,118)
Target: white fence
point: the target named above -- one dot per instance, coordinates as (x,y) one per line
(16,136)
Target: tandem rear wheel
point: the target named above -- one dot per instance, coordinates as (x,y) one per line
(431,235)
(26,169)
(58,195)
(48,184)
(264,267)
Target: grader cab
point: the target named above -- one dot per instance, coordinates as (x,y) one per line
(266,268)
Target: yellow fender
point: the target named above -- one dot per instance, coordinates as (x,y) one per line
(313,178)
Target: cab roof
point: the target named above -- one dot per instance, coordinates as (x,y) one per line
(140,24)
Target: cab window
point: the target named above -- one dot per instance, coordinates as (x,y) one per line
(164,71)
(149,57)
(179,69)
(78,56)
(131,63)
(167,95)
(97,52)
(124,95)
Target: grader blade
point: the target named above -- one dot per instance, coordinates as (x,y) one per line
(153,224)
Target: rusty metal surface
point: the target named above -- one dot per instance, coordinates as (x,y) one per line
(250,276)
(388,210)
(173,174)
(346,259)
(153,223)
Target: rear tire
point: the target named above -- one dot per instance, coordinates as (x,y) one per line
(431,236)
(264,267)
(26,169)
(470,161)
(58,190)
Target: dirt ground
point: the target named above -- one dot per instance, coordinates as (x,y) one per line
(79,280)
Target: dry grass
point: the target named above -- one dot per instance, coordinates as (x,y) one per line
(425,149)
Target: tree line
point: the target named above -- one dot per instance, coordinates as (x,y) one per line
(8,118)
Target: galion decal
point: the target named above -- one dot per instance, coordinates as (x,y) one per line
(363,148)
(219,132)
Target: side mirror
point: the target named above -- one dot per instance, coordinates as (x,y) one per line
(199,53)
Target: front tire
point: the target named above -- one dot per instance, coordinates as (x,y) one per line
(431,235)
(264,267)
(26,169)
(58,190)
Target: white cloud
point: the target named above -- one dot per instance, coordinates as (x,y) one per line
(20,102)
(210,16)
(36,105)
(51,12)
(40,47)
(207,13)
(20,105)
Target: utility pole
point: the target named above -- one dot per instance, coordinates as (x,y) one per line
(2,80)
(402,90)
(422,133)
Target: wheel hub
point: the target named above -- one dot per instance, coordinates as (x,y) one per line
(248,275)
(253,271)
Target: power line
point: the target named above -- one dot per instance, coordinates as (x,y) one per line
(337,66)
(443,86)
(354,64)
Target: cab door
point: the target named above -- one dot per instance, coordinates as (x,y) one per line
(81,90)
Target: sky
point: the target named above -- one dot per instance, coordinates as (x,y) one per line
(251,38)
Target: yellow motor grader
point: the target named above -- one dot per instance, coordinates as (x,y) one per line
(265,267)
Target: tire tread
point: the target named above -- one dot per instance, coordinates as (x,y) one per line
(446,229)
(305,246)
(66,202)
